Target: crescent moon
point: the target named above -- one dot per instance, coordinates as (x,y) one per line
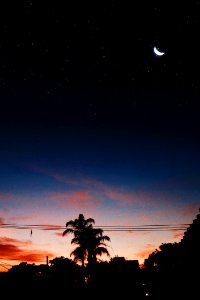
(157,52)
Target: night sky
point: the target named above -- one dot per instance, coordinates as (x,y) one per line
(93,122)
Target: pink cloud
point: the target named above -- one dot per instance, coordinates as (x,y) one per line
(149,248)
(141,198)
(115,194)
(132,233)
(178,235)
(124,197)
(12,249)
(59,233)
(7,240)
(76,199)
(119,195)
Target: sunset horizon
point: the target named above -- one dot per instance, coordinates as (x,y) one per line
(37,257)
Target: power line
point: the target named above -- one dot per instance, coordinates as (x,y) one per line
(4,267)
(145,227)
(5,263)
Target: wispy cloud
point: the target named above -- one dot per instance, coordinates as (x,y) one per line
(149,248)
(8,240)
(56,176)
(93,186)
(178,235)
(86,182)
(86,193)
(59,234)
(76,199)
(122,196)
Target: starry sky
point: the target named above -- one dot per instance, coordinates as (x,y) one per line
(93,122)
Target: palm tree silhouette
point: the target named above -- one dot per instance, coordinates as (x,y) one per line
(78,227)
(90,241)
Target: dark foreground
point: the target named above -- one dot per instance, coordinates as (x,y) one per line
(164,286)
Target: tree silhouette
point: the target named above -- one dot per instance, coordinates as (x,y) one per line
(90,241)
(77,227)
(167,257)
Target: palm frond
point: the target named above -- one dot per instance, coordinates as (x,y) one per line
(75,241)
(90,220)
(67,231)
(105,238)
(101,250)
(78,254)
(70,223)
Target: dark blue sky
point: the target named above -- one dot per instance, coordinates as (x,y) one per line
(118,156)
